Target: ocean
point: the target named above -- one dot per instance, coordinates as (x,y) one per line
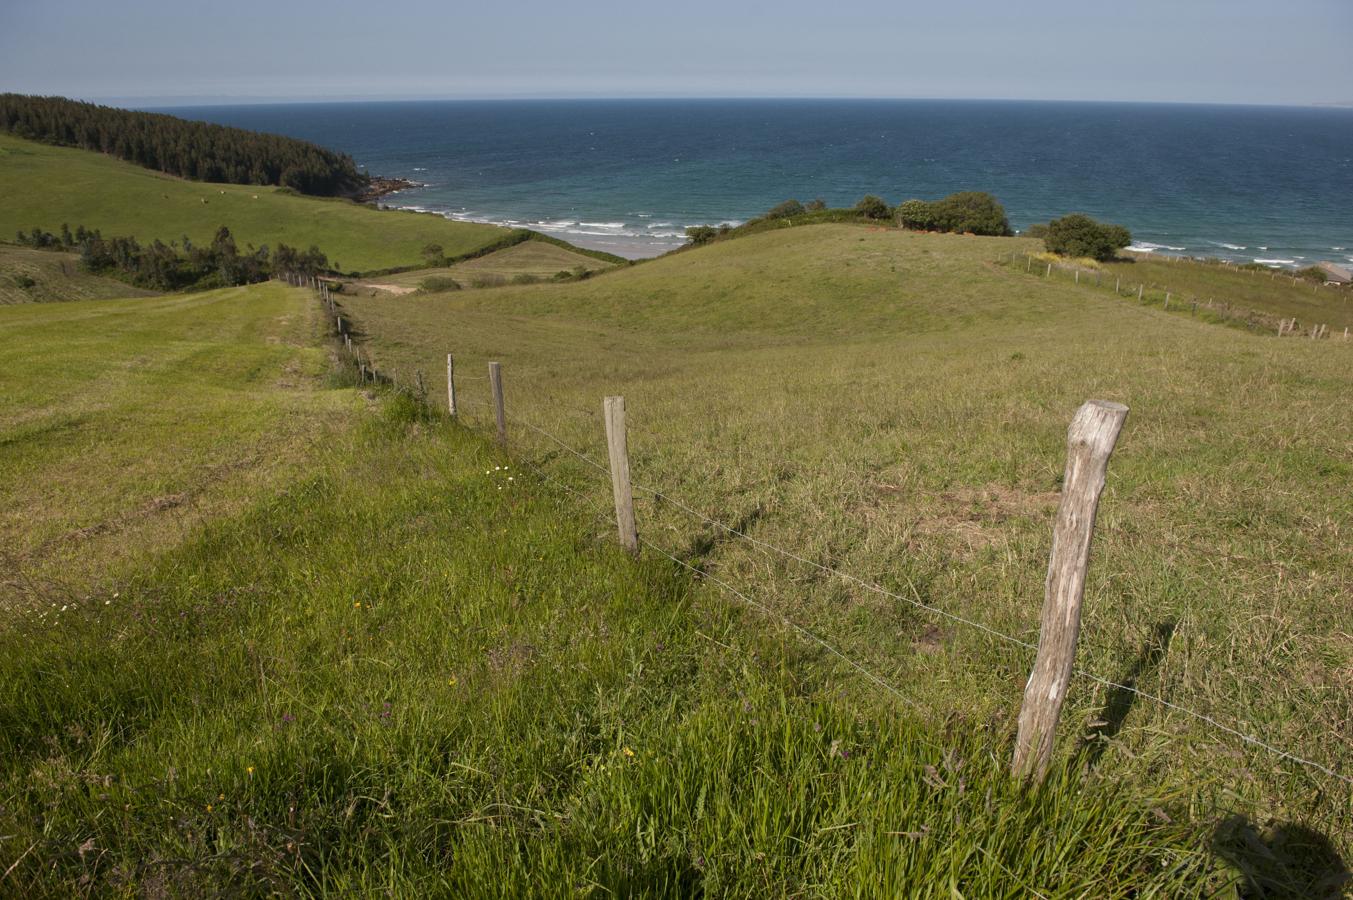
(1266,184)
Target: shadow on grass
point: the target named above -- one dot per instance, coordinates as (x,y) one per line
(713,536)
(1281,861)
(1121,699)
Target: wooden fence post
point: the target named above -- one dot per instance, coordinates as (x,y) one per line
(1140,288)
(418,383)
(618,450)
(1048,273)
(499,413)
(1030,263)
(1078,276)
(1167,301)
(450,385)
(1118,283)
(1090,441)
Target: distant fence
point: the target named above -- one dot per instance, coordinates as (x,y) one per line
(1169,300)
(1091,438)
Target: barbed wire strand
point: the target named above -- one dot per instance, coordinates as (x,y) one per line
(1247,738)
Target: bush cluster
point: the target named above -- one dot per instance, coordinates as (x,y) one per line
(974,212)
(1078,235)
(175,266)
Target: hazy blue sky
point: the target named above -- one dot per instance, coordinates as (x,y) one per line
(1230,51)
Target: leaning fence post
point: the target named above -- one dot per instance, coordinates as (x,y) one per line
(499,413)
(618,450)
(450,385)
(1090,441)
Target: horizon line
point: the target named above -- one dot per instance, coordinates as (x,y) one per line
(153,101)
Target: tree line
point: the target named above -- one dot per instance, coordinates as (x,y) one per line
(200,151)
(177,266)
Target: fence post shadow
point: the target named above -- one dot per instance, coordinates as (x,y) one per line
(1284,860)
(1120,700)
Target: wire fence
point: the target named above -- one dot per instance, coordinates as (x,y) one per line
(599,510)
(1167,298)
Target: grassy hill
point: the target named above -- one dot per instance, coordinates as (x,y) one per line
(29,276)
(44,186)
(895,405)
(381,658)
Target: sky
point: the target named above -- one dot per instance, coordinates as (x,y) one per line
(1294,52)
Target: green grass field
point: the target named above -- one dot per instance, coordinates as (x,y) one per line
(533,259)
(46,186)
(38,276)
(896,405)
(395,662)
(124,423)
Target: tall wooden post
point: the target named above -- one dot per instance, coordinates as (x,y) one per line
(499,412)
(450,385)
(618,450)
(1089,443)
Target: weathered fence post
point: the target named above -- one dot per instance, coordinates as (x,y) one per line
(1118,283)
(618,450)
(1090,441)
(499,413)
(1167,301)
(1048,273)
(418,383)
(1078,276)
(1028,266)
(1140,288)
(450,385)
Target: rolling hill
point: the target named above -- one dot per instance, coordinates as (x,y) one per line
(45,186)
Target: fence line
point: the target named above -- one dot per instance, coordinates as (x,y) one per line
(878,589)
(870,586)
(1252,317)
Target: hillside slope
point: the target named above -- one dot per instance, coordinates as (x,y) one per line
(396,664)
(895,406)
(41,276)
(46,186)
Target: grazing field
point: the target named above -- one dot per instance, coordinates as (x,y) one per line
(38,276)
(396,663)
(46,186)
(895,405)
(529,259)
(123,423)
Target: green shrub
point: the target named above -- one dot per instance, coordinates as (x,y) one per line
(24,281)
(1038,230)
(702,234)
(972,211)
(918,215)
(525,278)
(785,210)
(437,284)
(872,207)
(433,255)
(816,205)
(487,281)
(1079,235)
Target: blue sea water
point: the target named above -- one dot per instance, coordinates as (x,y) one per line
(1242,183)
